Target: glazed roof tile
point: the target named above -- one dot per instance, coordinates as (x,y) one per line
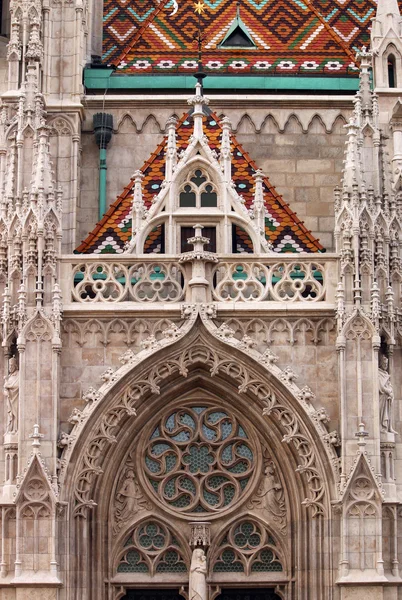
(283,227)
(292,36)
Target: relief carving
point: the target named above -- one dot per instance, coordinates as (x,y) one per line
(129,499)
(270,496)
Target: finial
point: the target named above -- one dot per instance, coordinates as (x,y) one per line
(36,436)
(361,435)
(199,8)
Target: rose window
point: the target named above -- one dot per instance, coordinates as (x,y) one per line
(199,460)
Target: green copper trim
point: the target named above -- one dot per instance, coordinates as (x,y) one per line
(102,182)
(108,79)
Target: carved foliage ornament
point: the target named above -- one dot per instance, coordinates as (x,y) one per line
(109,424)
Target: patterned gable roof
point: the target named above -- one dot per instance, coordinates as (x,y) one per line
(282,226)
(292,36)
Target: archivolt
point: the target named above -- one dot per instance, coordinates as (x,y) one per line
(84,460)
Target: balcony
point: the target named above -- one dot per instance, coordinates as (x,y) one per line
(302,281)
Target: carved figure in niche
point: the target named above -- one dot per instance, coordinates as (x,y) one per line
(128,497)
(270,495)
(11,394)
(386,394)
(198,576)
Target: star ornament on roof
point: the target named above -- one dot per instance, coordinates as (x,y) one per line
(199,7)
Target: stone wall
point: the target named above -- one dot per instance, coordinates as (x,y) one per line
(307,345)
(300,150)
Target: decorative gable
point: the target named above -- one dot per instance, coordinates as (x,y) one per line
(187,148)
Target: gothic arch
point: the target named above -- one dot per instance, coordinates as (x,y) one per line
(203,363)
(146,377)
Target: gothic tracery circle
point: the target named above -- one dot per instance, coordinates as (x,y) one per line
(200,460)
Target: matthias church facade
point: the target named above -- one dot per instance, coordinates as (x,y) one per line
(202,395)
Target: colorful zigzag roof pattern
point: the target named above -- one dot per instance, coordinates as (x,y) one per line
(292,36)
(282,226)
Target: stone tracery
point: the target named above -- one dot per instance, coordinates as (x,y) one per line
(152,548)
(247,547)
(199,459)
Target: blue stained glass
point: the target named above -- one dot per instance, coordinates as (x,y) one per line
(226,429)
(239,467)
(187,485)
(186,419)
(155,186)
(244,482)
(241,432)
(170,462)
(170,488)
(199,459)
(209,433)
(152,465)
(198,409)
(211,499)
(170,422)
(155,434)
(227,454)
(242,185)
(183,436)
(212,123)
(229,493)
(245,452)
(158,449)
(216,416)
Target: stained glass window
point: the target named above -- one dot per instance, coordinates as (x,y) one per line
(199,460)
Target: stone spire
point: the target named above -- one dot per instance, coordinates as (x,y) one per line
(387,11)
(198,101)
(386,45)
(366,219)
(171,149)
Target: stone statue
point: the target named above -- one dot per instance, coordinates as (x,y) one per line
(270,495)
(386,395)
(128,497)
(11,394)
(198,576)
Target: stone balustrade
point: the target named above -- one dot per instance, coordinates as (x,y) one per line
(301,279)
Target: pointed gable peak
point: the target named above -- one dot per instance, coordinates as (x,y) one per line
(362,481)
(200,141)
(35,484)
(238,35)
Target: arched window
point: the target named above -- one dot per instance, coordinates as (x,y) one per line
(198,191)
(391,71)
(152,548)
(247,547)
